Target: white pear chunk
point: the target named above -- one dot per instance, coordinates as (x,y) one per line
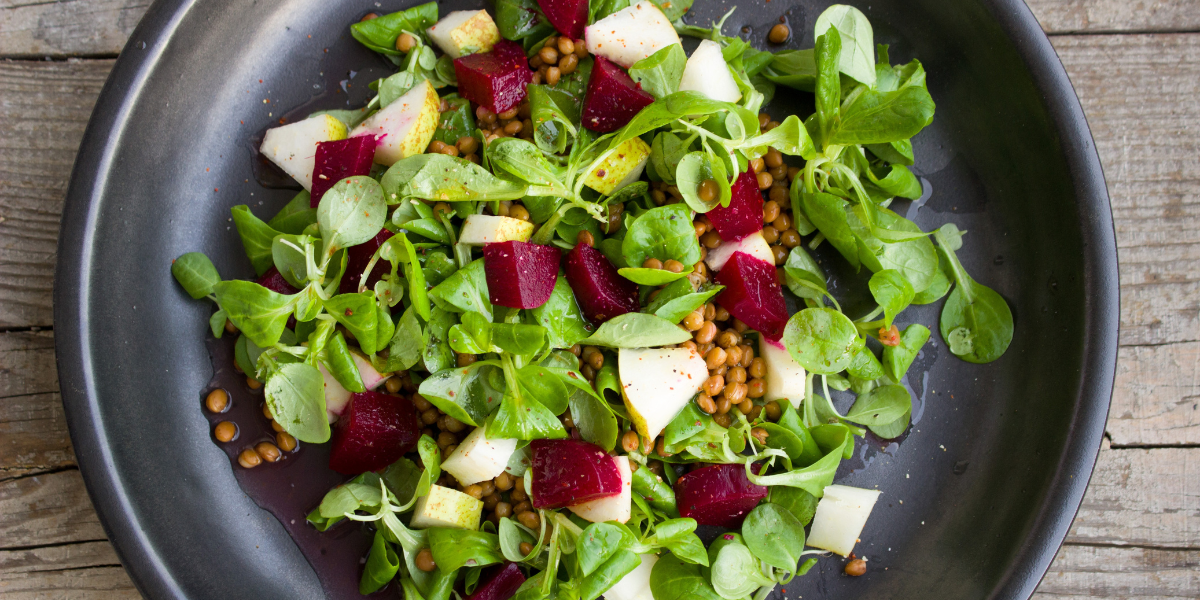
(336,396)
(706,72)
(404,127)
(293,147)
(481,229)
(841,515)
(657,383)
(622,167)
(370,377)
(478,458)
(754,245)
(635,585)
(465,32)
(444,507)
(631,34)
(785,377)
(611,508)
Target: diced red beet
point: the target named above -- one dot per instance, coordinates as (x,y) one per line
(338,160)
(569,472)
(719,495)
(743,216)
(499,583)
(569,17)
(601,292)
(273,280)
(374,431)
(495,80)
(357,259)
(752,294)
(612,98)
(520,274)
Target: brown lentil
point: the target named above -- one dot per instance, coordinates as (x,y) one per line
(780,254)
(225,431)
(714,385)
(721,314)
(629,441)
(778,173)
(759,434)
(707,191)
(661,447)
(758,368)
(723,405)
(757,165)
(770,211)
(503,509)
(756,388)
(765,180)
(652,263)
(268,451)
(430,416)
(217,401)
(530,519)
(249,459)
(253,383)
(276,426)
(467,144)
(736,393)
(425,560)
(706,333)
(490,501)
(673,266)
(368,17)
(519,212)
(790,238)
(779,34)
(580,48)
(736,374)
(285,441)
(421,403)
(783,222)
(733,356)
(723,419)
(706,404)
(549,55)
(596,360)
(474,490)
(525,548)
(693,321)
(392,385)
(715,358)
(856,568)
(446,438)
(553,74)
(773,410)
(728,339)
(711,240)
(779,193)
(230,328)
(522,506)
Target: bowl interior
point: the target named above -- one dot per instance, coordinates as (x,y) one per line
(976,498)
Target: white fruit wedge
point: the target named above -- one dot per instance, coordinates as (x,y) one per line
(623,167)
(635,585)
(611,508)
(657,383)
(785,376)
(480,229)
(337,396)
(841,515)
(478,458)
(706,72)
(754,245)
(631,34)
(293,147)
(465,32)
(404,127)
(444,507)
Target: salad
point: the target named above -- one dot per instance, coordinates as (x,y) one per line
(535,295)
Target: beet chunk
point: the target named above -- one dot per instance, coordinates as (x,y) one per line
(718,495)
(499,583)
(569,17)
(495,80)
(338,160)
(752,294)
(612,98)
(273,280)
(744,214)
(375,430)
(520,274)
(357,259)
(601,292)
(569,472)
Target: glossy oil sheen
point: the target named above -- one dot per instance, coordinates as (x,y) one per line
(717,495)
(990,478)
(568,472)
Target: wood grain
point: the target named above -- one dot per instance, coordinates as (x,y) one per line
(51,508)
(1099,16)
(32,29)
(1095,573)
(1156,400)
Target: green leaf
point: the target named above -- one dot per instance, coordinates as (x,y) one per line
(341,365)
(673,579)
(465,290)
(296,397)
(790,138)
(553,113)
(864,365)
(351,212)
(522,418)
(596,422)
(196,274)
(916,259)
(675,309)
(793,68)
(256,237)
(938,287)
(637,330)
(880,406)
(357,312)
(655,277)
(560,315)
(692,170)
(660,495)
(542,384)
(455,548)
(892,292)
(524,161)
(665,233)
(437,355)
(813,478)
(800,503)
(677,535)
(381,567)
(829,86)
(404,349)
(673,9)
(659,74)
(857,58)
(875,117)
(736,572)
(804,277)
(666,151)
(291,263)
(608,574)
(457,122)
(462,392)
(295,216)
(897,153)
(976,321)
(897,359)
(521,20)
(216,322)
(774,535)
(399,250)
(259,313)
(821,340)
(440,177)
(380,34)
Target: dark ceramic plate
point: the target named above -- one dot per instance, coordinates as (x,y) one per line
(977,498)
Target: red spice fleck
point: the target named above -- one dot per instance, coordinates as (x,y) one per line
(349,313)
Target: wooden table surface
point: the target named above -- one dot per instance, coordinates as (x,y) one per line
(1135,65)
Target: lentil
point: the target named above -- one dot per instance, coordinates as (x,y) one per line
(225,431)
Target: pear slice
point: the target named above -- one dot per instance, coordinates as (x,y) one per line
(706,72)
(841,515)
(404,127)
(754,244)
(293,147)
(478,458)
(444,507)
(465,32)
(612,508)
(635,585)
(631,34)
(657,383)
(623,167)
(785,377)
(479,230)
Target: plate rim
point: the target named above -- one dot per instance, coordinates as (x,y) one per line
(149,41)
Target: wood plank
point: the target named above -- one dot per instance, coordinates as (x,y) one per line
(99,583)
(1142,497)
(67,27)
(1139,93)
(51,508)
(1157,396)
(1097,16)
(57,558)
(1095,573)
(44,108)
(33,434)
(27,363)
